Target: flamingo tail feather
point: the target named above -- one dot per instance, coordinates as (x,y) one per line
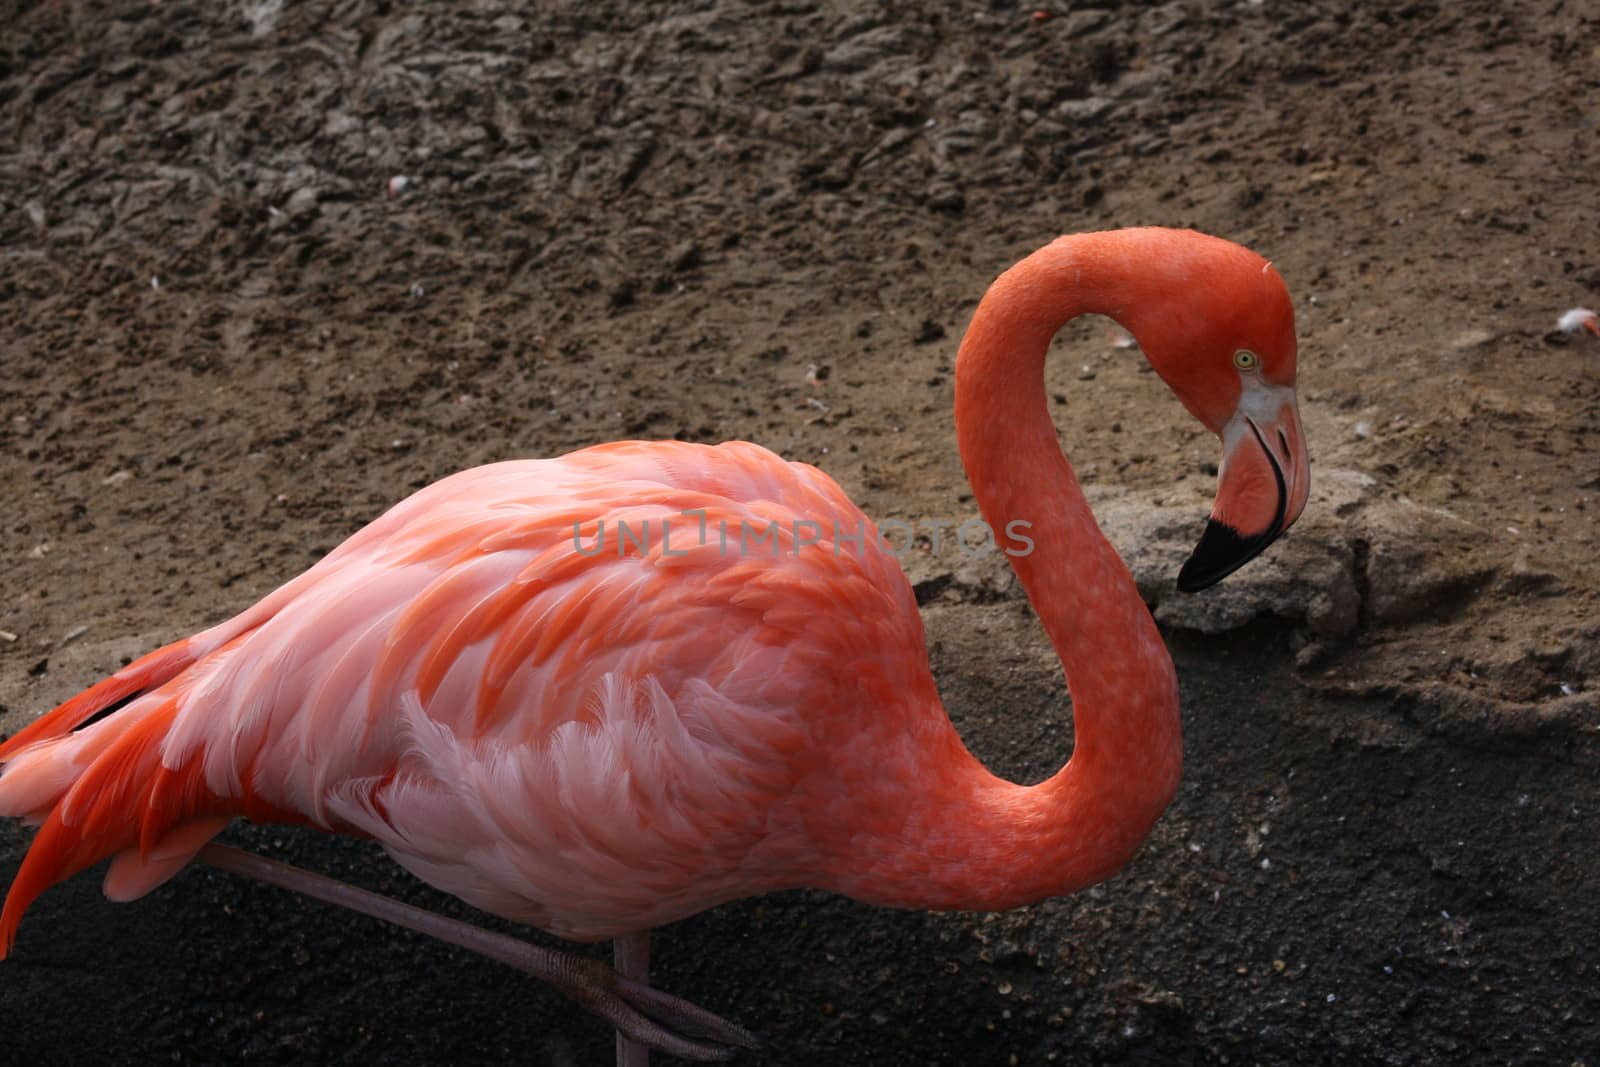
(142,675)
(103,790)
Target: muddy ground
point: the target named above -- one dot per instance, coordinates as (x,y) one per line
(225,346)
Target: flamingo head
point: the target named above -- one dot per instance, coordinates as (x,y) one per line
(1224,341)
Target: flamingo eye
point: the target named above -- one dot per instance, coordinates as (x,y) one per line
(1245,359)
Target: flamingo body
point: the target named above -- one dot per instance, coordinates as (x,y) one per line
(593,732)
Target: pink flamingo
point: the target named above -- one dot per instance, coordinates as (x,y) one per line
(596,732)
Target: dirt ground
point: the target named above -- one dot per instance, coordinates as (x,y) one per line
(230,338)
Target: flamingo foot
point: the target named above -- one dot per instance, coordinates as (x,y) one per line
(641,1014)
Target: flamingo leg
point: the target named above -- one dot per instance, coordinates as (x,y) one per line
(645,1015)
(631,955)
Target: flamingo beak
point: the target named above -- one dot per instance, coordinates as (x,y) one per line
(1262,487)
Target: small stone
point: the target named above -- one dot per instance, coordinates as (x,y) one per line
(1089,109)
(302,202)
(1471,339)
(686,256)
(1085,21)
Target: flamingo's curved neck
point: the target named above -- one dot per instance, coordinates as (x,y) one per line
(1124,692)
(972,840)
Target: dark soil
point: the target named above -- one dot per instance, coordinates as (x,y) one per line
(225,346)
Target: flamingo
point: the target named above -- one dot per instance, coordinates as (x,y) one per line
(554,689)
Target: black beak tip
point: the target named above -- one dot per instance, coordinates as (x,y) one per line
(1221,551)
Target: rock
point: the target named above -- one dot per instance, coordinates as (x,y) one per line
(686,256)
(1142,83)
(341,124)
(1086,110)
(1471,339)
(1357,556)
(1356,553)
(303,201)
(867,49)
(1525,579)
(1085,21)
(972,571)
(947,198)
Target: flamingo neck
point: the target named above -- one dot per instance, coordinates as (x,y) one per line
(969,839)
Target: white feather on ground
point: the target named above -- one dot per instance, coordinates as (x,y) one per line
(1578,319)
